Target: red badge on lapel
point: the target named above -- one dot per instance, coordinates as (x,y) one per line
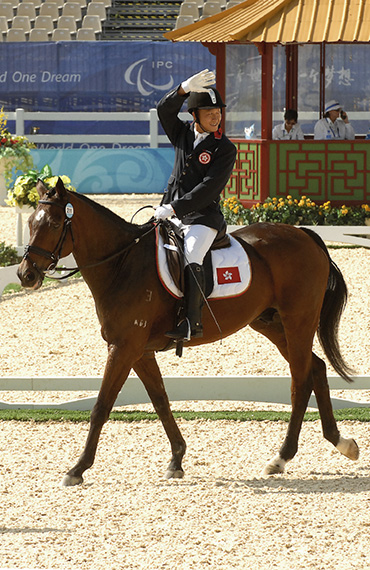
(228,275)
(204,157)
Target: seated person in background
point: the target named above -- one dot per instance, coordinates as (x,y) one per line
(290,129)
(333,127)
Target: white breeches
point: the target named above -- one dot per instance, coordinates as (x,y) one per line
(197,241)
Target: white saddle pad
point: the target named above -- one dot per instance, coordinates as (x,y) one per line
(231,270)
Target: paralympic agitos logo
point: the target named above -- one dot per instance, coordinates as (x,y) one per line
(134,76)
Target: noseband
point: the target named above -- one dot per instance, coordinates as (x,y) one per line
(55,255)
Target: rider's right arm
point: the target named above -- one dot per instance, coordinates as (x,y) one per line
(168,108)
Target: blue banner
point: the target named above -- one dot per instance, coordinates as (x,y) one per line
(95,76)
(111,171)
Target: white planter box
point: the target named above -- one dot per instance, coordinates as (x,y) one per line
(4,162)
(22,234)
(8,275)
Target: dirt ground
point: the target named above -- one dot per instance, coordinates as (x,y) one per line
(223,515)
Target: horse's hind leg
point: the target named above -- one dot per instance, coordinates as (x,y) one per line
(298,353)
(273,329)
(347,447)
(148,371)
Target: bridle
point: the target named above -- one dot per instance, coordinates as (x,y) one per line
(55,255)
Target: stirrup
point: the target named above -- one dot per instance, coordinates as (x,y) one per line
(181,332)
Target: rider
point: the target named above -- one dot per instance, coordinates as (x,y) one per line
(204,160)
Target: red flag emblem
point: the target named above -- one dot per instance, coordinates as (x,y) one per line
(204,158)
(228,275)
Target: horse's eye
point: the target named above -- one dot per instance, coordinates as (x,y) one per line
(55,225)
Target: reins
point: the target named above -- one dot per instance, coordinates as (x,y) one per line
(55,255)
(67,225)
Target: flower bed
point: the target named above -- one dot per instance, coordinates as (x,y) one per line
(24,192)
(297,212)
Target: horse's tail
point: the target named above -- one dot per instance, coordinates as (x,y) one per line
(333,306)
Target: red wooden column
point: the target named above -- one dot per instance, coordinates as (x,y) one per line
(266,51)
(291,94)
(219,50)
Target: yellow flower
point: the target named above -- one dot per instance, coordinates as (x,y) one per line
(265,205)
(289,197)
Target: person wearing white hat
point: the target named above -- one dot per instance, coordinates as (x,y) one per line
(335,124)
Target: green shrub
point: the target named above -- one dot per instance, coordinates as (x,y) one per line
(8,255)
(298,212)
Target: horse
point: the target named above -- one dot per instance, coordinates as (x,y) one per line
(296,291)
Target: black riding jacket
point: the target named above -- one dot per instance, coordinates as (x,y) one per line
(199,175)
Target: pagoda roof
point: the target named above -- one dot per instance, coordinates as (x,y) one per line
(282,22)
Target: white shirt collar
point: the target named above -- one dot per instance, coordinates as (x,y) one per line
(199,137)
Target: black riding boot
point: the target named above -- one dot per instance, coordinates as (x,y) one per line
(191,326)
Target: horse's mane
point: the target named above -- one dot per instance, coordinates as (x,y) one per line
(115,218)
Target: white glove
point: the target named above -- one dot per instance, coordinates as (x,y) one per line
(199,82)
(164,212)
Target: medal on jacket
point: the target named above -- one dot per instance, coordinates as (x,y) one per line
(204,157)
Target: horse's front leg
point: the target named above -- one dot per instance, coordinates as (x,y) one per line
(116,371)
(148,371)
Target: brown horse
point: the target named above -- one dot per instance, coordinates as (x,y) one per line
(296,291)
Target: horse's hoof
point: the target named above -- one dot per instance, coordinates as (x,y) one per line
(349,448)
(71,481)
(174,474)
(276,466)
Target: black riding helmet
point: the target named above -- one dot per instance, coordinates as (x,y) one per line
(205,100)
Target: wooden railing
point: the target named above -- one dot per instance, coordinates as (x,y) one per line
(153,139)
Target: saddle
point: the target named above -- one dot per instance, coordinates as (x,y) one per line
(173,243)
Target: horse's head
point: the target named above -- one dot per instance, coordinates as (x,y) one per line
(50,235)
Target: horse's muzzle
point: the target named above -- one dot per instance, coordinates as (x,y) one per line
(29,276)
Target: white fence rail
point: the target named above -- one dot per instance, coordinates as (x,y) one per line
(153,139)
(275,390)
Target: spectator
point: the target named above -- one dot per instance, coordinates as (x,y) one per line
(290,129)
(333,127)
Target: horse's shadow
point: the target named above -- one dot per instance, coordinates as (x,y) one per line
(319,483)
(326,482)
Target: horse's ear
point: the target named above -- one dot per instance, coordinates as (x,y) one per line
(41,189)
(60,189)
